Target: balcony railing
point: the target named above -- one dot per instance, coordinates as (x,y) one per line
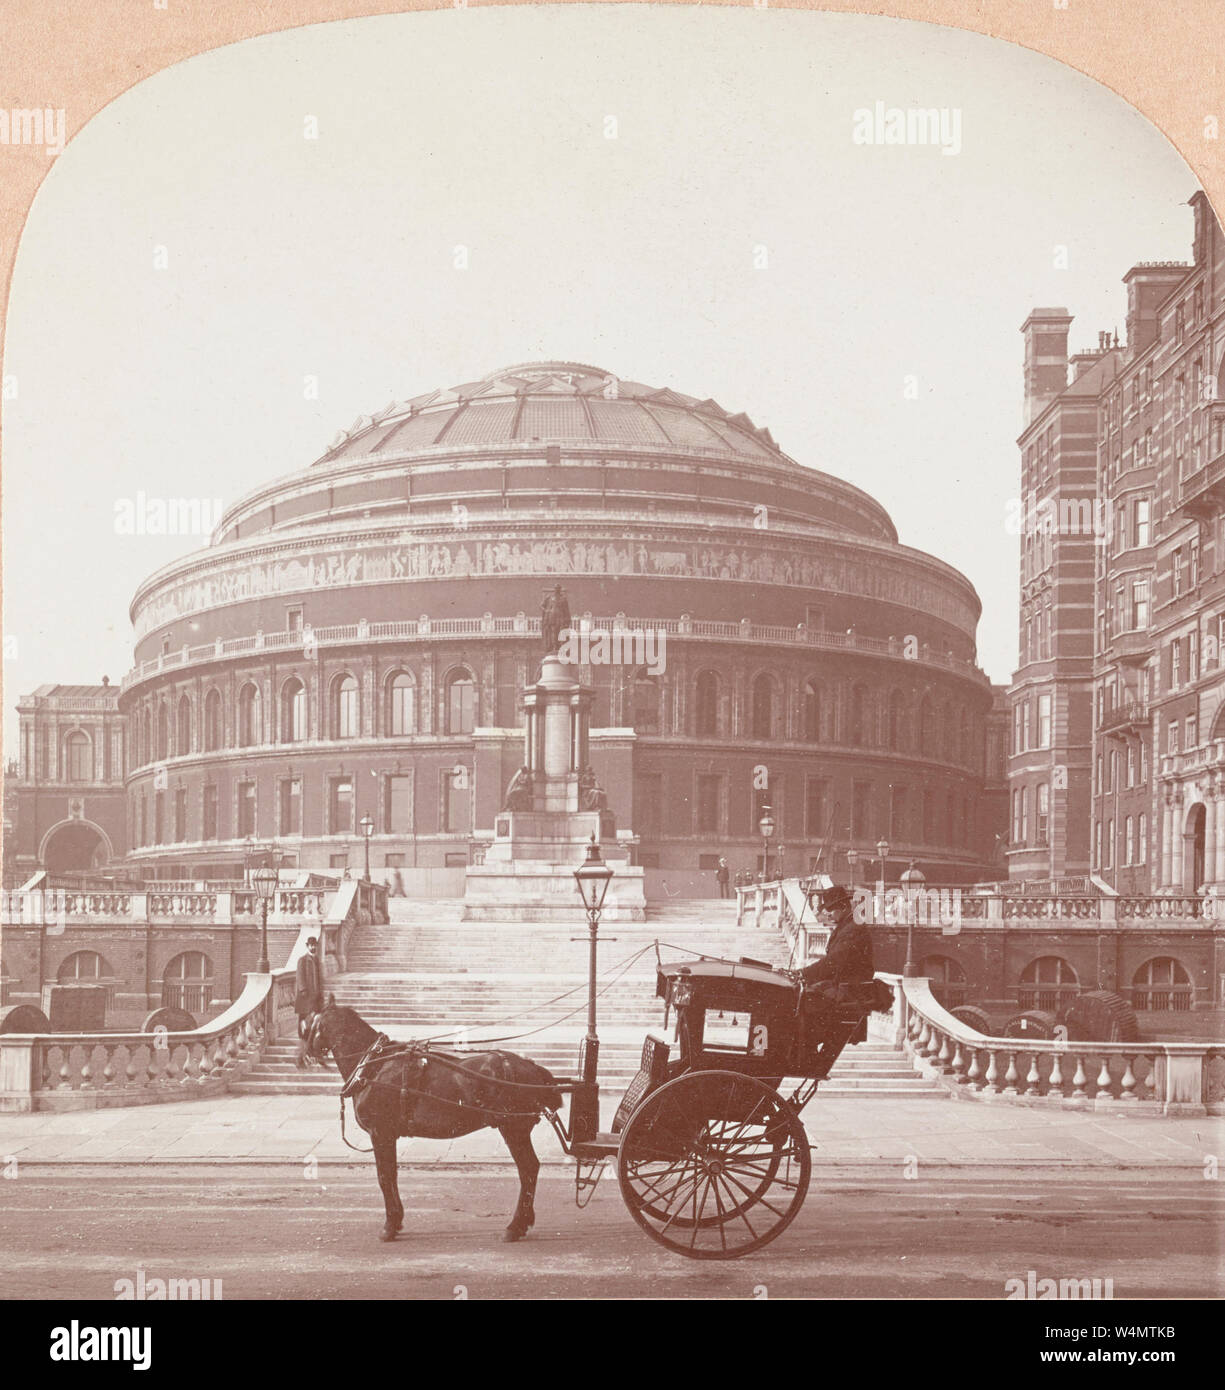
(1131,714)
(521,626)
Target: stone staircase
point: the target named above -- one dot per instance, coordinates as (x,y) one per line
(428,974)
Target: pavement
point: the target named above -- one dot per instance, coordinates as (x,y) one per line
(273,1130)
(289,1232)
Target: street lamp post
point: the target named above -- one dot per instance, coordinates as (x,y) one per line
(912,886)
(778,862)
(852,858)
(766,826)
(265,881)
(882,853)
(367,825)
(592,878)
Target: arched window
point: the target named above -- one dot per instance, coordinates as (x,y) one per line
(293,711)
(188,983)
(163,731)
(861,716)
(1162,983)
(182,729)
(346,714)
(82,967)
(897,721)
(646,705)
(212,721)
(79,757)
(401,705)
(948,980)
(461,703)
(250,716)
(763,707)
(927,727)
(812,712)
(707,701)
(1048,982)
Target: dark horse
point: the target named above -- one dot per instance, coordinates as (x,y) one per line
(421,1092)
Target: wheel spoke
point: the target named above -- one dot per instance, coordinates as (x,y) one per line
(681,1207)
(654,1191)
(721,1220)
(701,1152)
(756,1196)
(739,1212)
(697,1215)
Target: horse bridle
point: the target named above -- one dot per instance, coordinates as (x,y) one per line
(314,1045)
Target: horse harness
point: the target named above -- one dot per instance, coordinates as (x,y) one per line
(418,1056)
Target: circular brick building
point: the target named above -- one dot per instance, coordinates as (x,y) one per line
(354,641)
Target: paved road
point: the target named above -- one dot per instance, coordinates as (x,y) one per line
(273,1232)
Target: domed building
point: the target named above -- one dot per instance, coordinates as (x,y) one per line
(355,640)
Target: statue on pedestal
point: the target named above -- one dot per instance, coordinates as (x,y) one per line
(591,796)
(519,792)
(554,618)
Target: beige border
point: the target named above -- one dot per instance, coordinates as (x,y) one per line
(1160,55)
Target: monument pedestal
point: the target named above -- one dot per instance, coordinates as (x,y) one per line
(537,891)
(542,837)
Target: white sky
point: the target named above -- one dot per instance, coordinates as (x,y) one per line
(289,257)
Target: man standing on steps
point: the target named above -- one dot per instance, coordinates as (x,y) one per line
(308,999)
(723,879)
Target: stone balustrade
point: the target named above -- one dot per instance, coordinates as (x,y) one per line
(1158,1077)
(76,1071)
(759,904)
(784,906)
(61,906)
(521,625)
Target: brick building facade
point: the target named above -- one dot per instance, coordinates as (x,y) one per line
(1117,765)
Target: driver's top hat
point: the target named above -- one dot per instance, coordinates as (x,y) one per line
(833,899)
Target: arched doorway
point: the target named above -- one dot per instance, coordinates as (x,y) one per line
(74,847)
(1193,849)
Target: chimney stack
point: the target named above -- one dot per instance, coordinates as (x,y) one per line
(1147,287)
(1046,358)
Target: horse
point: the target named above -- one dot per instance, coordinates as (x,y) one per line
(415,1090)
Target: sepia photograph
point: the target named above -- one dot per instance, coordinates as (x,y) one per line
(614,671)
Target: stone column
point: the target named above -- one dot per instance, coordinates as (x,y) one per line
(1167,835)
(1218,792)
(1210,836)
(556,739)
(1176,841)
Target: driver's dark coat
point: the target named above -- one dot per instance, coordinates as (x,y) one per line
(848,958)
